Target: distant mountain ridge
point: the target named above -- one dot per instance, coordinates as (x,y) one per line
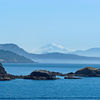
(92,52)
(10,57)
(49,57)
(13,48)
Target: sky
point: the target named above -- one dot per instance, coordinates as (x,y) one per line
(31,24)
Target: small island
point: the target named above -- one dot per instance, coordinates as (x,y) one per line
(48,75)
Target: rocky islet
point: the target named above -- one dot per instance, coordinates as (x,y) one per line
(48,75)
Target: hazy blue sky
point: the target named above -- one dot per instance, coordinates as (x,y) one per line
(35,23)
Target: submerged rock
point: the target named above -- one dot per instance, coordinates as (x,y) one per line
(41,75)
(89,72)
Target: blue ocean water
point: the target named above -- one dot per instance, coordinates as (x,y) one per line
(80,89)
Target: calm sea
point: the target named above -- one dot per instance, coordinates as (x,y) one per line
(19,89)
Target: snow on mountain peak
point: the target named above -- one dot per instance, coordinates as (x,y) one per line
(53,48)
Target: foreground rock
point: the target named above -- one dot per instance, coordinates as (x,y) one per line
(35,75)
(71,77)
(41,75)
(4,75)
(58,74)
(88,72)
(48,75)
(2,70)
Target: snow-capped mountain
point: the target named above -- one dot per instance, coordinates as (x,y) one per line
(54,53)
(49,48)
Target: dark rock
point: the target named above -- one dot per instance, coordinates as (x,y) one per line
(4,75)
(89,72)
(59,74)
(2,70)
(35,75)
(71,74)
(41,75)
(71,77)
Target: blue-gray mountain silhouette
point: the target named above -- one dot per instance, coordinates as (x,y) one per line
(48,56)
(10,57)
(93,52)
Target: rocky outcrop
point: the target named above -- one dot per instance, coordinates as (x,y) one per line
(2,70)
(41,75)
(89,72)
(35,75)
(58,74)
(4,75)
(71,77)
(48,75)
